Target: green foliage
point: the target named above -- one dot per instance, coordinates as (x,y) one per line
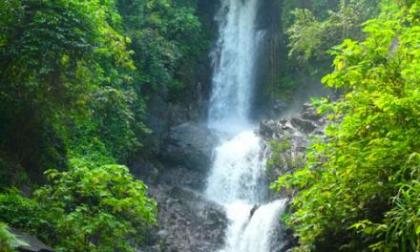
(23,213)
(75,72)
(311,28)
(278,148)
(284,158)
(166,35)
(74,76)
(11,173)
(360,188)
(62,62)
(319,8)
(87,208)
(311,36)
(96,209)
(306,34)
(7,239)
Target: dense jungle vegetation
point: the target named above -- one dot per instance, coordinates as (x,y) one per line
(74,81)
(76,76)
(360,187)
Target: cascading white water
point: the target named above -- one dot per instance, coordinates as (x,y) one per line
(234,64)
(236,177)
(237,170)
(253,235)
(236,182)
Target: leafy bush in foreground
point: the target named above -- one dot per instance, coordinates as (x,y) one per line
(360,188)
(84,209)
(6,239)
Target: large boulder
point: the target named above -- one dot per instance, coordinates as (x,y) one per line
(182,177)
(189,145)
(28,243)
(187,222)
(304,125)
(275,129)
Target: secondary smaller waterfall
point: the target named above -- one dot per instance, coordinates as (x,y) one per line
(237,182)
(238,168)
(253,234)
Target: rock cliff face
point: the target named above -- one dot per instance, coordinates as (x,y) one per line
(165,111)
(187,220)
(189,145)
(289,138)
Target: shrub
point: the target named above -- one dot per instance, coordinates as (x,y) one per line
(359,190)
(97,209)
(6,239)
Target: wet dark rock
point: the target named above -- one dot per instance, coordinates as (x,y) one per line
(188,221)
(305,126)
(147,171)
(311,115)
(183,177)
(279,106)
(268,128)
(291,137)
(157,119)
(272,129)
(29,243)
(283,240)
(189,145)
(178,114)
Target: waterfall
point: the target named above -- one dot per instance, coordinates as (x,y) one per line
(234,64)
(237,171)
(236,180)
(255,234)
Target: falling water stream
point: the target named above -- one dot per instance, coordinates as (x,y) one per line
(237,177)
